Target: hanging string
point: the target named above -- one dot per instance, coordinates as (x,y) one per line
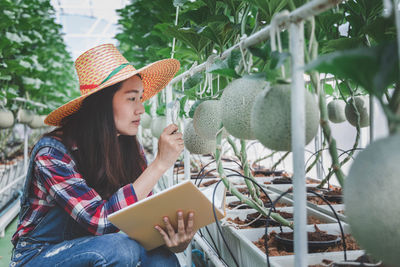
(387,8)
(183,84)
(312,35)
(275,36)
(242,52)
(174,40)
(207,84)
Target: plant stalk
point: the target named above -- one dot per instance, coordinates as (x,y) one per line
(324,119)
(264,211)
(254,192)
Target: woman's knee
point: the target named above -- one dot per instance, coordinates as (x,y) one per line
(119,248)
(159,257)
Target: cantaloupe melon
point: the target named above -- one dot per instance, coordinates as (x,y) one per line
(207,119)
(372,199)
(6,119)
(271,118)
(237,101)
(362,104)
(157,126)
(24,116)
(336,111)
(195,143)
(37,122)
(145,120)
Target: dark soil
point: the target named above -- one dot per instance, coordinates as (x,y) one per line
(208,183)
(318,201)
(261,222)
(275,249)
(283,180)
(267,204)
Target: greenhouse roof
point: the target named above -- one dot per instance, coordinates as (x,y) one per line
(87,23)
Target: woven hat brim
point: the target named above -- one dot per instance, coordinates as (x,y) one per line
(155,77)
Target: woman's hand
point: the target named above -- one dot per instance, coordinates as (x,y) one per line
(178,242)
(170,146)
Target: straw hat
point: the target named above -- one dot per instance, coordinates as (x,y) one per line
(103,66)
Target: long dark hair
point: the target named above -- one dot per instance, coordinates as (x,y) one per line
(105,160)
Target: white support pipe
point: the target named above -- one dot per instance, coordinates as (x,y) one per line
(26,137)
(371,118)
(168,100)
(139,134)
(298,142)
(153,116)
(188,253)
(186,157)
(208,251)
(308,10)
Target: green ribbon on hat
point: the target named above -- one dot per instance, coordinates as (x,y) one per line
(115,71)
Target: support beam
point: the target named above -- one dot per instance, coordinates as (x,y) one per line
(296,44)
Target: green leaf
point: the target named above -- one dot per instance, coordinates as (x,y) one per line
(182,103)
(328,89)
(13,37)
(227,66)
(194,106)
(161,109)
(344,89)
(190,37)
(372,68)
(5,78)
(226,72)
(193,81)
(278,59)
(340,44)
(179,3)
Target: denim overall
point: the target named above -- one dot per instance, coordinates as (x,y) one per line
(58,240)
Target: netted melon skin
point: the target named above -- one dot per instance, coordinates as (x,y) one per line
(207,119)
(36,122)
(237,102)
(158,125)
(336,111)
(372,199)
(271,119)
(145,120)
(6,119)
(362,104)
(195,143)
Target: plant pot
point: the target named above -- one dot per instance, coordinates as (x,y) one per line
(251,255)
(316,240)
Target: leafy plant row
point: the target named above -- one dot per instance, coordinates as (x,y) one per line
(35,66)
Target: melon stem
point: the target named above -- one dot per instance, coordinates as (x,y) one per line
(324,119)
(243,199)
(254,192)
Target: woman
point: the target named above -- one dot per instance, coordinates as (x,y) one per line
(91,165)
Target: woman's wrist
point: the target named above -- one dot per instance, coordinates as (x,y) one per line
(161,165)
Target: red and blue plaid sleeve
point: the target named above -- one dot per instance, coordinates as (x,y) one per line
(57,172)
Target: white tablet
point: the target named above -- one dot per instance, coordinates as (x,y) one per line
(138,220)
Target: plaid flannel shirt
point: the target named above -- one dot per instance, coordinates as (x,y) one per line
(56,181)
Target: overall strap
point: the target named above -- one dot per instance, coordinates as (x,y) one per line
(43,142)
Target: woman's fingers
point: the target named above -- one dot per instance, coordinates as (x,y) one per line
(170,229)
(164,235)
(181,225)
(190,223)
(170,129)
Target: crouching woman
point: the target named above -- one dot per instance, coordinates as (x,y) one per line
(92,165)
